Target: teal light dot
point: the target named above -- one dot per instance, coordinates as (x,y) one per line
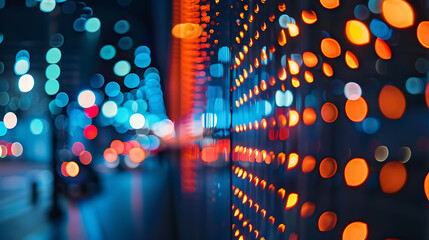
(47,5)
(109,109)
(415,85)
(121,26)
(53,55)
(112,89)
(132,80)
(142,60)
(22,66)
(36,126)
(107,52)
(122,68)
(52,86)
(62,99)
(92,25)
(3,129)
(53,71)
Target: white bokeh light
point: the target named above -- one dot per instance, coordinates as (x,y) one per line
(26,83)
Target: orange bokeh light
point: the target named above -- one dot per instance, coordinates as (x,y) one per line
(307,209)
(327,69)
(328,167)
(423,33)
(391,102)
(356,110)
(309,16)
(356,172)
(355,231)
(330,48)
(137,155)
(118,146)
(393,176)
(426,186)
(293,160)
(382,49)
(398,13)
(110,155)
(292,200)
(329,112)
(351,60)
(308,164)
(309,116)
(330,4)
(72,169)
(310,59)
(357,32)
(327,221)
(293,118)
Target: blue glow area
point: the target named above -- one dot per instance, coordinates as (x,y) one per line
(4,98)
(284,99)
(56,40)
(22,54)
(380,29)
(99,97)
(283,61)
(125,43)
(121,26)
(122,68)
(109,109)
(53,55)
(224,55)
(284,20)
(118,98)
(79,118)
(208,120)
(142,60)
(361,12)
(112,89)
(52,86)
(62,99)
(47,5)
(337,87)
(53,71)
(36,126)
(92,25)
(61,122)
(22,66)
(1,37)
(2,4)
(415,85)
(79,24)
(153,76)
(122,116)
(97,81)
(132,80)
(69,7)
(296,58)
(268,108)
(107,52)
(216,70)
(375,6)
(370,125)
(142,49)
(154,142)
(141,106)
(3,129)
(53,108)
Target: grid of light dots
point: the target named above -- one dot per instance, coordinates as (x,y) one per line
(265,104)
